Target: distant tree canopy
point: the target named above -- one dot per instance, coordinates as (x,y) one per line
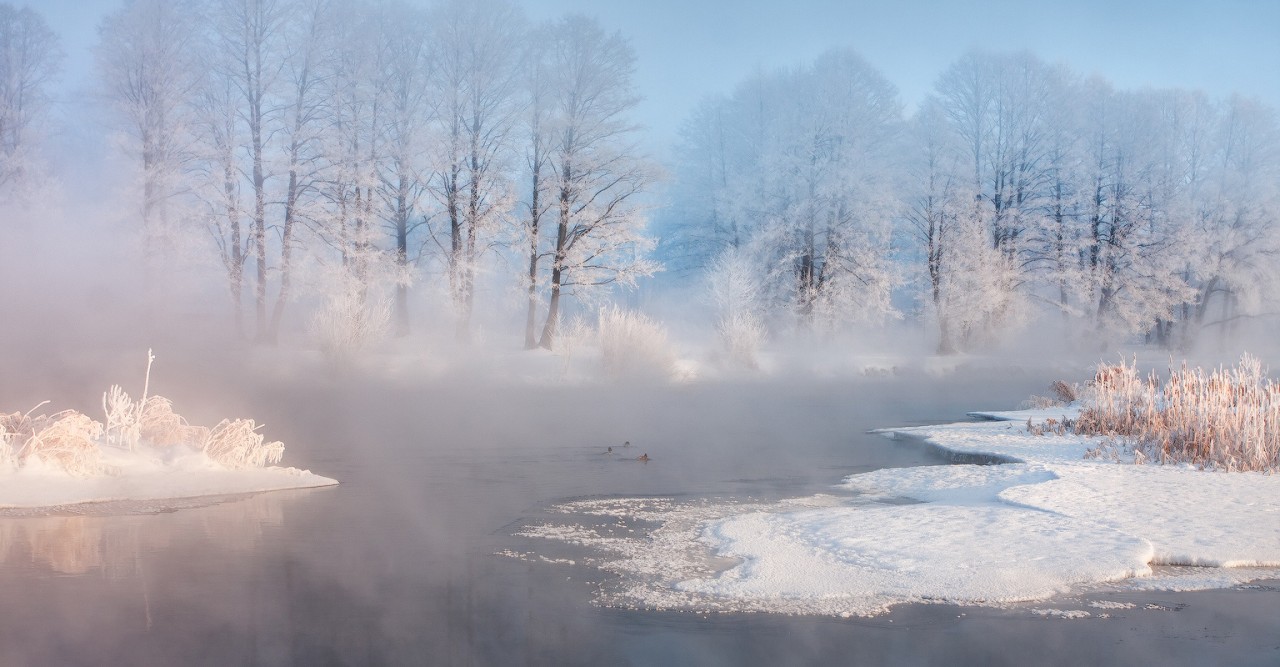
(30,58)
(351,151)
(1017,189)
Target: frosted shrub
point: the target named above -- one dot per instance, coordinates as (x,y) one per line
(568,340)
(1228,418)
(122,417)
(734,287)
(1063,394)
(348,323)
(236,444)
(16,430)
(7,461)
(741,334)
(68,440)
(632,344)
(159,425)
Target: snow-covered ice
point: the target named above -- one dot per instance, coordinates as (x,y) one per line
(870,557)
(1047,523)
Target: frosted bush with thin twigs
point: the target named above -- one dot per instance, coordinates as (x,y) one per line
(734,288)
(7,461)
(568,339)
(122,417)
(349,322)
(1063,394)
(1228,418)
(742,334)
(160,426)
(237,444)
(67,440)
(633,344)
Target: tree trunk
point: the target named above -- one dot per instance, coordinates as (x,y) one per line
(530,339)
(286,248)
(259,213)
(235,263)
(562,235)
(402,253)
(455,237)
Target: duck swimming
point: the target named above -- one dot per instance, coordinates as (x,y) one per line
(644,457)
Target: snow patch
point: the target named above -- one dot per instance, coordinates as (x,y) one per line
(1047,524)
(1109,604)
(870,557)
(1069,614)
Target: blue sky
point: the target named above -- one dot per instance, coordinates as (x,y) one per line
(691,48)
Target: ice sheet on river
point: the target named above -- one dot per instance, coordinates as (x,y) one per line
(1049,522)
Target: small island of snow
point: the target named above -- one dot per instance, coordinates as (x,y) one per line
(144,451)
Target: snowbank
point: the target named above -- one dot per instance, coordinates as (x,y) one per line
(1049,523)
(144,475)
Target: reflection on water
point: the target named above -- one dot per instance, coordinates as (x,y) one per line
(67,545)
(111,539)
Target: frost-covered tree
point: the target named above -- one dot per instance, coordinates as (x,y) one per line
(248,46)
(598,170)
(149,70)
(709,169)
(478,77)
(536,130)
(353,147)
(218,183)
(932,182)
(405,73)
(998,105)
(1237,218)
(307,40)
(795,167)
(30,57)
(837,203)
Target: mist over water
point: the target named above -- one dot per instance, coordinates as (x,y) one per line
(399,563)
(445,446)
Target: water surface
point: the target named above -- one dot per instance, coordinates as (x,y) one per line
(399,564)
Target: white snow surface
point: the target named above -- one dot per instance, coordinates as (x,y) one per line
(144,475)
(874,556)
(1049,523)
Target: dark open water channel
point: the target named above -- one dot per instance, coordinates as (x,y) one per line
(397,565)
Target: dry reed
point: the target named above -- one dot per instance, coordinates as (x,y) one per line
(1228,418)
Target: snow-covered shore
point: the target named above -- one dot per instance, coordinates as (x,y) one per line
(146,474)
(1048,523)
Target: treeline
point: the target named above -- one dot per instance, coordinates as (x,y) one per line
(379,142)
(355,151)
(1018,191)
